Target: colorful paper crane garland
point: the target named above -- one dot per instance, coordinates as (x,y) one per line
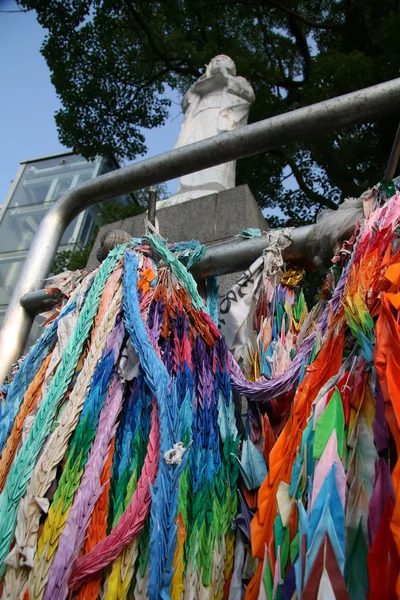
(328,524)
(123,473)
(126,482)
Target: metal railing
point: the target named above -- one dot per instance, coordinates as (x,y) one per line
(299,125)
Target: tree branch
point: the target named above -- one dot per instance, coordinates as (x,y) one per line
(298,32)
(267,42)
(275,4)
(201,27)
(285,9)
(286,82)
(291,84)
(162,54)
(300,17)
(286,160)
(150,80)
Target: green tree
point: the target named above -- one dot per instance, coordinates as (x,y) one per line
(111,61)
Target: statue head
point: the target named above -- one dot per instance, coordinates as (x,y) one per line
(219,62)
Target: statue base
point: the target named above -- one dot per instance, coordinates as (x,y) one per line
(211,219)
(185,196)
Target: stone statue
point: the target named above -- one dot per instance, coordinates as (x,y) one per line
(218,101)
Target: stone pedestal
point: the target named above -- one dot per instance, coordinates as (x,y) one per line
(211,219)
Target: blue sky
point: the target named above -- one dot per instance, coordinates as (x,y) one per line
(28,100)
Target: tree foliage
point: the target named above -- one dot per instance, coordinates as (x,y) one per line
(111,61)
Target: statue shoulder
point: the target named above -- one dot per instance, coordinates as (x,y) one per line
(241,87)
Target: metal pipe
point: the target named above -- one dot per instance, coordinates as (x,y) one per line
(39,301)
(151,209)
(221,259)
(299,125)
(238,255)
(393,158)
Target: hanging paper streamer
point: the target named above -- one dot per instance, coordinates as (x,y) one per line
(153,371)
(129,472)
(330,493)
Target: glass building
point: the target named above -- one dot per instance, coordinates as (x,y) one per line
(37,185)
